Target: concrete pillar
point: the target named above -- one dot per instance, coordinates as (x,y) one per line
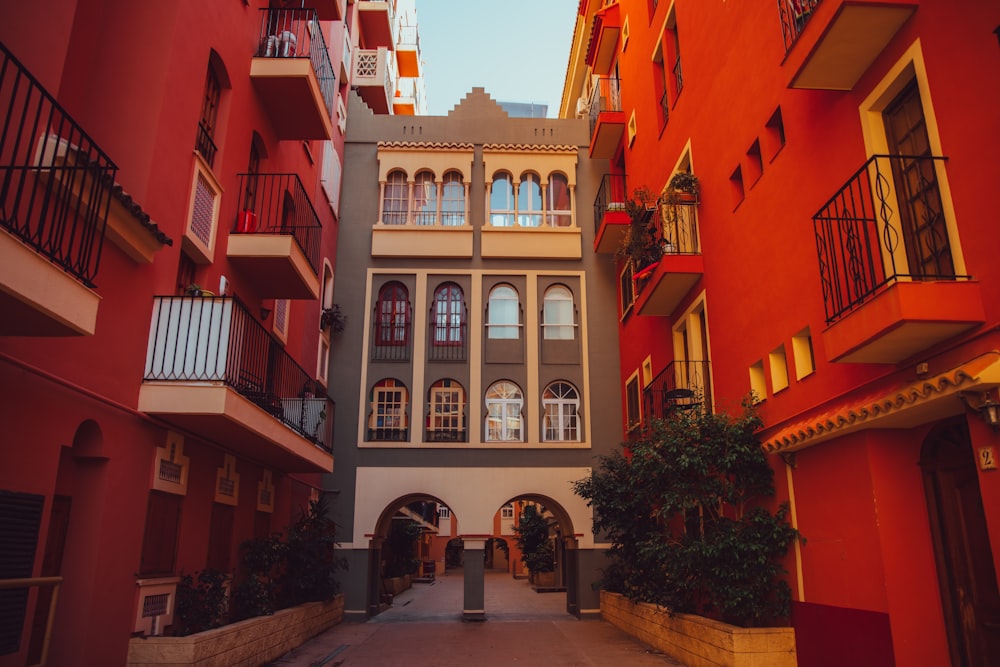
(473,607)
(571,572)
(374,576)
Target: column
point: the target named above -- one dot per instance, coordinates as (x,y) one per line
(473,607)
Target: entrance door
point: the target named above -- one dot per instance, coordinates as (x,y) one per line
(964,558)
(925,235)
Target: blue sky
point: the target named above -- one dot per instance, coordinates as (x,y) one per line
(517,52)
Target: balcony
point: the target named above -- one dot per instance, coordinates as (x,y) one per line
(408,51)
(373,78)
(55,194)
(376,19)
(213,370)
(830,44)
(610,218)
(276,240)
(682,385)
(391,336)
(404,102)
(291,71)
(672,263)
(329,10)
(604,39)
(447,341)
(607,120)
(889,284)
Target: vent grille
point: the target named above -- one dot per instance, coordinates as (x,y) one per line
(170,471)
(155,605)
(204,208)
(20,516)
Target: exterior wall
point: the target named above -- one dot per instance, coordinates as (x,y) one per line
(474,478)
(851,433)
(133,76)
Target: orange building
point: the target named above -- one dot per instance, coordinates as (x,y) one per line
(840,264)
(169,202)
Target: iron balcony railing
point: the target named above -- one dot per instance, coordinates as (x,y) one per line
(391,336)
(55,182)
(388,434)
(610,197)
(278,204)
(296,33)
(678,75)
(447,341)
(606,96)
(860,241)
(446,435)
(664,109)
(682,385)
(216,339)
(794,14)
(205,145)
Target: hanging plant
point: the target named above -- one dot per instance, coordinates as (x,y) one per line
(332,317)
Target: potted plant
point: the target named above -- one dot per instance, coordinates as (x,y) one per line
(639,244)
(532,535)
(683,188)
(332,317)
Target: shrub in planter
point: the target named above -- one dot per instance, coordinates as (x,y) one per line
(202,602)
(256,594)
(532,537)
(684,510)
(400,548)
(310,558)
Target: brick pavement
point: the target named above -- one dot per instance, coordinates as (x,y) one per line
(424,628)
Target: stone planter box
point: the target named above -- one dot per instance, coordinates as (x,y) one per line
(698,641)
(396,585)
(254,641)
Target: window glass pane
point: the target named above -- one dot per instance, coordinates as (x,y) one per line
(557,314)
(394,205)
(503,413)
(425,199)
(503,313)
(502,201)
(453,200)
(529,202)
(560,403)
(557,203)
(448,315)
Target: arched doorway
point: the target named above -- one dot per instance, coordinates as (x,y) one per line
(966,574)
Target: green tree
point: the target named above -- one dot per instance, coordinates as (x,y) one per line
(532,537)
(684,510)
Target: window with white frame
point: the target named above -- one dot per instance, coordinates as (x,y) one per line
(388,421)
(557,314)
(453,200)
(395,199)
(446,412)
(502,208)
(503,318)
(425,200)
(504,422)
(560,408)
(633,402)
(626,290)
(507,511)
(529,201)
(558,209)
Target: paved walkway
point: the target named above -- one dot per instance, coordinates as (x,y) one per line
(423,628)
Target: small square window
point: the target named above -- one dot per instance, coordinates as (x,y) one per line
(736,183)
(774,134)
(755,166)
(778,365)
(802,353)
(758,385)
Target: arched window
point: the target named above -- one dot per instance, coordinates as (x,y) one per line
(395,200)
(388,421)
(453,200)
(557,205)
(392,315)
(560,405)
(529,201)
(425,199)
(502,201)
(503,319)
(557,314)
(503,412)
(446,412)
(449,316)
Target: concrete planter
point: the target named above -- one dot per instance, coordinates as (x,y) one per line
(396,585)
(254,641)
(698,641)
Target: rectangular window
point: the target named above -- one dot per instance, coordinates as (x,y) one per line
(220,537)
(736,187)
(159,542)
(778,364)
(627,289)
(755,165)
(446,414)
(774,134)
(633,400)
(758,385)
(802,353)
(507,511)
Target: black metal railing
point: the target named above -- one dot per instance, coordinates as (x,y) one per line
(664,109)
(610,197)
(860,243)
(204,144)
(388,434)
(606,96)
(678,232)
(391,337)
(678,75)
(216,339)
(278,204)
(794,14)
(55,182)
(296,33)
(447,341)
(446,435)
(682,385)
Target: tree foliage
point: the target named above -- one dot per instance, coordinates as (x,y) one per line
(682,508)
(532,537)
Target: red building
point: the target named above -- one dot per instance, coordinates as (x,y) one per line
(169,201)
(841,264)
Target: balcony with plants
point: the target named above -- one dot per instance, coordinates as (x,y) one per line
(55,195)
(829,44)
(276,239)
(662,243)
(891,286)
(292,72)
(681,385)
(213,369)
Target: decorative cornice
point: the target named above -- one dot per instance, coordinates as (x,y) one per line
(426,145)
(875,410)
(531,148)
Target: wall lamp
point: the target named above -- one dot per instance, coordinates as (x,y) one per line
(985,404)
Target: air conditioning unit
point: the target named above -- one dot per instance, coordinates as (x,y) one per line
(582,107)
